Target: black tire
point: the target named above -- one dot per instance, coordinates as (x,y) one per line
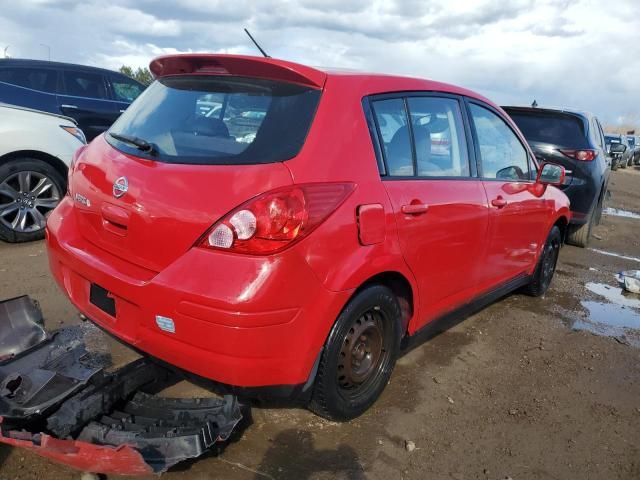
(354,370)
(13,202)
(579,236)
(597,214)
(546,264)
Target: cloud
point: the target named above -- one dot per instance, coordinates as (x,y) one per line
(578,53)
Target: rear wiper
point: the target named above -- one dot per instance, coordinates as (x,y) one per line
(139,143)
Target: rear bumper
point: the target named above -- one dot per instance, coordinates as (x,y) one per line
(583,196)
(239,320)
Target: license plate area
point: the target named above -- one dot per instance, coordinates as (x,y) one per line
(102,299)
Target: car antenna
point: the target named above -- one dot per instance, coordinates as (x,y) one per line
(256,44)
(535,103)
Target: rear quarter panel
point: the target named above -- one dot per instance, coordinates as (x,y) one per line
(339,148)
(21,130)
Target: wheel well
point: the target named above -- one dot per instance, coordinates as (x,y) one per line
(562,224)
(401,288)
(55,162)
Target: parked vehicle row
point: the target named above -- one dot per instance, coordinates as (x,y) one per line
(623,149)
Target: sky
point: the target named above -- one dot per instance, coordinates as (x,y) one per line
(582,54)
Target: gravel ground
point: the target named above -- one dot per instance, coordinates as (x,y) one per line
(521,390)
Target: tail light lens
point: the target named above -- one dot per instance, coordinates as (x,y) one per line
(275,220)
(72,166)
(582,155)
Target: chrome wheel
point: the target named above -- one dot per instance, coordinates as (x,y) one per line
(26,197)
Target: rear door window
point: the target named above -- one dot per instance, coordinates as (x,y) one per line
(219,120)
(41,79)
(125,89)
(502,154)
(85,84)
(438,133)
(392,120)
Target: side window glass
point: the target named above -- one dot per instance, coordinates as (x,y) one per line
(41,79)
(391,116)
(438,133)
(596,132)
(84,84)
(501,153)
(125,90)
(601,134)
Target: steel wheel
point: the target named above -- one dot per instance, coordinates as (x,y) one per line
(359,355)
(549,262)
(26,197)
(361,351)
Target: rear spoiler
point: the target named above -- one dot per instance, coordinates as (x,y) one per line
(240,65)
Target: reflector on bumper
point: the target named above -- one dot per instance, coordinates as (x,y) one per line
(58,400)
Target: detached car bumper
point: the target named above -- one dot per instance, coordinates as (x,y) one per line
(239,320)
(58,400)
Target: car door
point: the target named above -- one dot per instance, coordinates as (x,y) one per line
(439,205)
(518,214)
(124,90)
(85,98)
(29,86)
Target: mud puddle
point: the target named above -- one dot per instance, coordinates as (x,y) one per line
(616,315)
(617,212)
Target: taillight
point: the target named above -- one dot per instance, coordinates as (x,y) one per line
(276,219)
(72,166)
(582,155)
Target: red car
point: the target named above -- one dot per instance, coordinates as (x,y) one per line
(284,230)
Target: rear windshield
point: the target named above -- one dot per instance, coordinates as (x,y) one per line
(218,120)
(632,141)
(608,139)
(555,128)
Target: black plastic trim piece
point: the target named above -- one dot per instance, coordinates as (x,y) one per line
(449,320)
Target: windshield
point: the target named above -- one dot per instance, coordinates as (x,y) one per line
(218,120)
(555,128)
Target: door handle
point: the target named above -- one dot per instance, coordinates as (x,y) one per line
(415,208)
(499,202)
(64,105)
(122,110)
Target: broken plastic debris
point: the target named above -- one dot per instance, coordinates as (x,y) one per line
(58,400)
(630,280)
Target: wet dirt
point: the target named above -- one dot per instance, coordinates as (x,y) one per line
(514,391)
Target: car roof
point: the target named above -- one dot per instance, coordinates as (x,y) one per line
(571,111)
(276,69)
(25,62)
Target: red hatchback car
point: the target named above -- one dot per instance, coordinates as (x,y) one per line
(281,229)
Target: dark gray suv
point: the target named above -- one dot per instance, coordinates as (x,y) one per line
(574,140)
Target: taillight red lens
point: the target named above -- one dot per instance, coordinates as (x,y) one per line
(582,155)
(276,219)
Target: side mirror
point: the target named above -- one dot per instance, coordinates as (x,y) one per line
(551,174)
(617,148)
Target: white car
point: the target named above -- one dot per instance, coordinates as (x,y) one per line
(35,152)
